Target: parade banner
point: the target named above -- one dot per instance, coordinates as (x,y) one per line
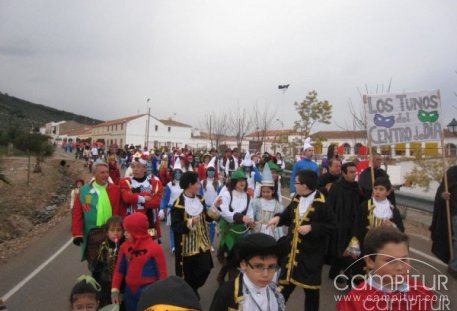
(403,117)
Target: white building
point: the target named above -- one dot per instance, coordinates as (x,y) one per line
(63,130)
(139,130)
(350,141)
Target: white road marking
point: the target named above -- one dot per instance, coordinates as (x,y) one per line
(35,272)
(427,256)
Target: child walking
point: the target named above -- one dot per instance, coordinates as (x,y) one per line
(189,219)
(264,208)
(141,261)
(310,224)
(103,267)
(75,192)
(258,256)
(210,187)
(172,192)
(377,211)
(85,294)
(234,223)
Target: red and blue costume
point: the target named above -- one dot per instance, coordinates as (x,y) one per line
(141,261)
(133,191)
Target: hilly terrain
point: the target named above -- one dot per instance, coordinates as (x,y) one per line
(16,112)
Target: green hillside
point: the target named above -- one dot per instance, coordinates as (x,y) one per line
(17,112)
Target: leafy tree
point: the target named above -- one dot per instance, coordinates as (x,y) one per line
(427,170)
(35,144)
(311,111)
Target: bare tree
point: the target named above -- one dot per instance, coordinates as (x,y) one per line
(358,121)
(217,126)
(239,124)
(262,119)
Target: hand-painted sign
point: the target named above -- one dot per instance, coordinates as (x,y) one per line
(403,117)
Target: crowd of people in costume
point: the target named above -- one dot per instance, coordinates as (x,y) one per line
(265,248)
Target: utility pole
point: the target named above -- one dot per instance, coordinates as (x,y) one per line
(147,127)
(210,136)
(146,143)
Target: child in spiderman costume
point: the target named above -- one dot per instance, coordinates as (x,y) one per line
(141,262)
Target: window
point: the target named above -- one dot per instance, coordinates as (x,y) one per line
(107,128)
(122,126)
(169,129)
(157,128)
(120,142)
(116,127)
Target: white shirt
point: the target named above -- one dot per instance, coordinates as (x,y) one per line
(193,206)
(305,203)
(239,204)
(382,209)
(210,194)
(258,298)
(175,192)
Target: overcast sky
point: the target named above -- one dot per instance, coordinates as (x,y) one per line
(104,59)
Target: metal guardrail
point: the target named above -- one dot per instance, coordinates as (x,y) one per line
(407,200)
(421,203)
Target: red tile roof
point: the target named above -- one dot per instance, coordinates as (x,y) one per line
(78,132)
(204,135)
(174,123)
(272,133)
(121,120)
(339,135)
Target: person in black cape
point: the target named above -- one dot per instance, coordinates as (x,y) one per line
(344,199)
(439,227)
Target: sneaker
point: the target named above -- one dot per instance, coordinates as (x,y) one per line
(172,250)
(212,249)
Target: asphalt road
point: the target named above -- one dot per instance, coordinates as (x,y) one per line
(48,288)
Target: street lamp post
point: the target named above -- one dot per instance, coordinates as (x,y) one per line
(452,126)
(146,143)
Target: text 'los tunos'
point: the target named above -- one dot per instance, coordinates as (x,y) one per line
(402,103)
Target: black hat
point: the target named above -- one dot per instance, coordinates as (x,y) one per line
(257,244)
(173,291)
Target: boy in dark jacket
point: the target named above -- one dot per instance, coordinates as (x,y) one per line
(310,224)
(257,255)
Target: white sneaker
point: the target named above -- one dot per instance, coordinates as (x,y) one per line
(172,250)
(212,249)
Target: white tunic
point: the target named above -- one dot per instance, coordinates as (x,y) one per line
(239,204)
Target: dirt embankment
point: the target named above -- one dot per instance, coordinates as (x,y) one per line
(27,212)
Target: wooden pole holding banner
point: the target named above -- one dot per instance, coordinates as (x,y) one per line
(446,189)
(370,151)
